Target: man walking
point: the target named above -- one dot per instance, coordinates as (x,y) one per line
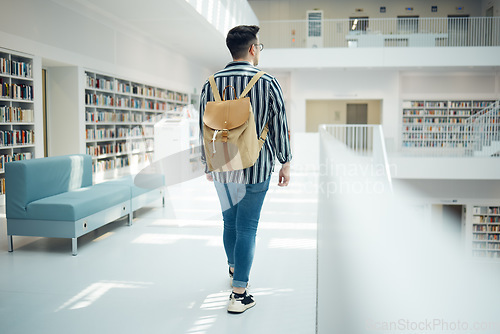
(242,192)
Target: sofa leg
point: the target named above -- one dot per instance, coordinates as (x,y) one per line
(11,244)
(74,245)
(130,217)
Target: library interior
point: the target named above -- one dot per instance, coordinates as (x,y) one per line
(390,222)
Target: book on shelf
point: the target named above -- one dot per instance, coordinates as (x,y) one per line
(16,137)
(16,68)
(16,91)
(16,114)
(21,69)
(4,65)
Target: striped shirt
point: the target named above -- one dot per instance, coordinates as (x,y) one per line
(268,106)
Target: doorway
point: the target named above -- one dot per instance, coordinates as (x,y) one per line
(357,113)
(44,102)
(342,112)
(450,220)
(489,12)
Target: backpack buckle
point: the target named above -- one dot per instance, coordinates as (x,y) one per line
(225,133)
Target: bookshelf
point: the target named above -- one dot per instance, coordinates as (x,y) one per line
(108,117)
(437,124)
(17,109)
(486,232)
(119,120)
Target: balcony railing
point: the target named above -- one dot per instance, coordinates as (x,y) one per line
(392,32)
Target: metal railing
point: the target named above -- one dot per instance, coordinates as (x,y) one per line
(359,150)
(484,128)
(392,32)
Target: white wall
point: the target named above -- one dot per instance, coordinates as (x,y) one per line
(334,84)
(448,57)
(63,36)
(390,86)
(464,84)
(225,14)
(296,9)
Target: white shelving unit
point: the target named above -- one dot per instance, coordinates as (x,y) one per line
(113,119)
(433,124)
(18,108)
(486,232)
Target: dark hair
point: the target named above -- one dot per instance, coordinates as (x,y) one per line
(240,38)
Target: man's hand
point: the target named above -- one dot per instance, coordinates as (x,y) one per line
(209,177)
(284,175)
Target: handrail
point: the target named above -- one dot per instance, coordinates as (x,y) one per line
(359,144)
(484,129)
(383,32)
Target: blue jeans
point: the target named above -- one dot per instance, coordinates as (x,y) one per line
(241,205)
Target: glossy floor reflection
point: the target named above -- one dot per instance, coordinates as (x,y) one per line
(166,273)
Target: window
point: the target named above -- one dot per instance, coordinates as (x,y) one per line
(314,19)
(359,24)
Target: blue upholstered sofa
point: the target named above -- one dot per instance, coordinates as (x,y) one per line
(55,197)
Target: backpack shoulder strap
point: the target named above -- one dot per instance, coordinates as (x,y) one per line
(215,91)
(251,83)
(263,136)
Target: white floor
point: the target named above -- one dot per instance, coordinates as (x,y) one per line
(167,273)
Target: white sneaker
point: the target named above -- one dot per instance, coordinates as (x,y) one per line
(239,303)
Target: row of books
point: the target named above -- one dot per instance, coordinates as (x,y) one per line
(434,120)
(16,91)
(133,132)
(442,113)
(440,127)
(122,102)
(123,134)
(125,87)
(437,104)
(14,157)
(111,117)
(433,144)
(435,136)
(17,68)
(99,100)
(486,219)
(104,165)
(115,148)
(124,161)
(486,237)
(16,137)
(100,83)
(110,133)
(16,114)
(487,246)
(437,128)
(445,104)
(486,228)
(494,255)
(2,186)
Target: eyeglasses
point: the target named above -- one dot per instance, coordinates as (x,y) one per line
(260,45)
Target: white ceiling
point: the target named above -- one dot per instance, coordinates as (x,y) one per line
(173,24)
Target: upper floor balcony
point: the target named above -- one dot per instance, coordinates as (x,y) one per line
(392,42)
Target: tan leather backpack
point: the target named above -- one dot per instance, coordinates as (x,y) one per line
(229,133)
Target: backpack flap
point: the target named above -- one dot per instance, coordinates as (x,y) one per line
(227,115)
